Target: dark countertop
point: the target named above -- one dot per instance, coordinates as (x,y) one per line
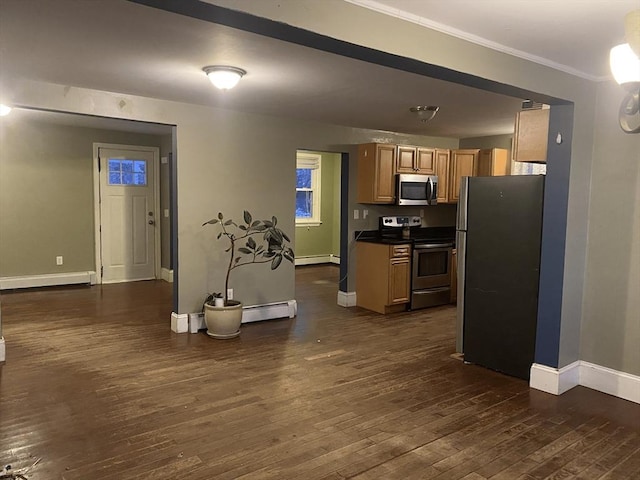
(393,236)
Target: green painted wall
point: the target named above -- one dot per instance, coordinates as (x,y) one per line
(318,240)
(46,195)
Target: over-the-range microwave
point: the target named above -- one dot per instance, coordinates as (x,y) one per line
(416,189)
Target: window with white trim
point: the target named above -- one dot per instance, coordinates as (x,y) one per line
(308,188)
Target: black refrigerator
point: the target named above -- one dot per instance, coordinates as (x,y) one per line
(499,231)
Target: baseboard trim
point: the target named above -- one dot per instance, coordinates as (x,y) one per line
(47,280)
(603,379)
(316,259)
(3,351)
(613,382)
(251,313)
(166,275)
(346,299)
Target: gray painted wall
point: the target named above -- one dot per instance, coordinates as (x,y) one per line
(166,150)
(318,240)
(197,132)
(611,326)
(46,195)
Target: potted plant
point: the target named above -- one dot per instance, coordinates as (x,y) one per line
(223,318)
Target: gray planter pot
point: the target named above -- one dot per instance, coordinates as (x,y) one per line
(223,322)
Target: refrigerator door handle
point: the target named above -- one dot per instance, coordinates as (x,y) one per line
(461,249)
(462,204)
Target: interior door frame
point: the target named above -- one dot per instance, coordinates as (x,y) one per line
(96,202)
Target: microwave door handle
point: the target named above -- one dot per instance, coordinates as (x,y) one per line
(429,188)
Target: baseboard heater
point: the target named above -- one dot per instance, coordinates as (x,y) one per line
(251,313)
(47,280)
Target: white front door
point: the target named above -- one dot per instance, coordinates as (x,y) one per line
(127,216)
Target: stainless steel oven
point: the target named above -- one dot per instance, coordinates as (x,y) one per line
(431,277)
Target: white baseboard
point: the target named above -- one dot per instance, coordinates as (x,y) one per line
(317,259)
(179,322)
(47,280)
(166,275)
(3,351)
(252,313)
(346,299)
(596,377)
(613,382)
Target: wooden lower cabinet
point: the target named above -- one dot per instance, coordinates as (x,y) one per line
(383,276)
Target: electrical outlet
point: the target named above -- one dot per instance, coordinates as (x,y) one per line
(229,293)
(59,260)
(365,214)
(356,214)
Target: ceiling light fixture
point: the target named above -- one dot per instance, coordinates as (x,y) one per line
(224,77)
(4,110)
(624,60)
(425,113)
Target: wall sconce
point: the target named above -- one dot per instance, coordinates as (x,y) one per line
(224,77)
(625,66)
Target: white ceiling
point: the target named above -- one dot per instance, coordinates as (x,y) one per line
(570,35)
(119,46)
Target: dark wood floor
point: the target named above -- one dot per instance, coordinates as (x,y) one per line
(97,386)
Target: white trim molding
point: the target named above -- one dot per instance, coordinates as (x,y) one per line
(603,379)
(167,275)
(553,380)
(48,280)
(3,350)
(469,37)
(251,313)
(346,299)
(316,260)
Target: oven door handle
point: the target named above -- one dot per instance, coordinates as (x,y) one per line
(433,246)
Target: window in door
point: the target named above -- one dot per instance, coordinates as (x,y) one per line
(308,188)
(127,172)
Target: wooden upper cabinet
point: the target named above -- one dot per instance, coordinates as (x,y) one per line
(376,169)
(426,161)
(463,164)
(406,159)
(493,162)
(415,160)
(531,136)
(442,171)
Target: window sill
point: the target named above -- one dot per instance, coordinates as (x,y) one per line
(307,223)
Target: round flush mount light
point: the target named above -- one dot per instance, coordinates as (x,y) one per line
(224,77)
(425,113)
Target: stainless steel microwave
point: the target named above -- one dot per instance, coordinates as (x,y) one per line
(416,189)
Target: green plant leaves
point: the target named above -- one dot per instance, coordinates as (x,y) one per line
(210,222)
(247,217)
(275,263)
(251,243)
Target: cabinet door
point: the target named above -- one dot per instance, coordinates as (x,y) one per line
(384,183)
(406,159)
(442,171)
(399,280)
(463,164)
(376,181)
(426,161)
(531,136)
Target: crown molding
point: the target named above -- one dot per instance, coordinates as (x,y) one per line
(454,32)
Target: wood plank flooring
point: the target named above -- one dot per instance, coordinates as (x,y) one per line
(97,386)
